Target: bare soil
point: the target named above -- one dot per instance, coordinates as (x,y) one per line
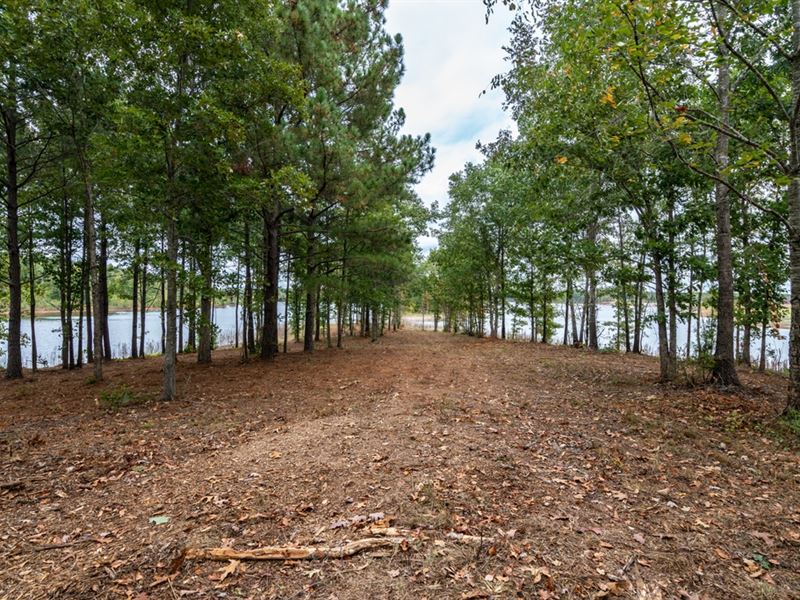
(579,476)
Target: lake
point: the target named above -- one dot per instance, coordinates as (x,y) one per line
(777,346)
(48,334)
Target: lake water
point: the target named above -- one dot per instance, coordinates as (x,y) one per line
(777,345)
(48,334)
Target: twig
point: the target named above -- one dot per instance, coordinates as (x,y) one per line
(64,545)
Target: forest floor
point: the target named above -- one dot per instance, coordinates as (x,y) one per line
(577,475)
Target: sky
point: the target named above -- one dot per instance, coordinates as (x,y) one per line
(451,55)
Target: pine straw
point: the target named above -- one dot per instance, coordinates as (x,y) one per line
(590,480)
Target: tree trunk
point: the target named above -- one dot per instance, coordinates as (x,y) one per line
(70,291)
(329,340)
(32,286)
(135,305)
(794,218)
(762,359)
(163,304)
(249,334)
(724,371)
(623,284)
(591,317)
(103,274)
(318,313)
(690,291)
(665,362)
(81,303)
(746,297)
(191,342)
(237,304)
(638,308)
(181,298)
(310,317)
(205,327)
(14,360)
(567,300)
(89,327)
(502,294)
(143,306)
(374,326)
(296,312)
(286,305)
(585,309)
(672,303)
(269,334)
(94,272)
(63,293)
(170,354)
(575,340)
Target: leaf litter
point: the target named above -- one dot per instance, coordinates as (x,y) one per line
(514,470)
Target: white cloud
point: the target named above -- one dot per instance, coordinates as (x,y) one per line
(451,55)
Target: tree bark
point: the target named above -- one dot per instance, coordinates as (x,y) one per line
(567,300)
(311,299)
(794,218)
(170,355)
(103,274)
(14,359)
(724,371)
(81,303)
(665,362)
(181,298)
(286,305)
(205,327)
(94,271)
(269,334)
(143,306)
(135,304)
(32,286)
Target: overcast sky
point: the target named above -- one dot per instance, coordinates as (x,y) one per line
(451,55)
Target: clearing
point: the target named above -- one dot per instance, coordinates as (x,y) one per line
(577,476)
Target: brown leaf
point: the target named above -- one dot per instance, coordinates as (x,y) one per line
(229,569)
(764,537)
(722,554)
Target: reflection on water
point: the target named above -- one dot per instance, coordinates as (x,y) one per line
(519,328)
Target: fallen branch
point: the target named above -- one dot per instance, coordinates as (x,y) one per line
(459,537)
(469,539)
(297,552)
(389,537)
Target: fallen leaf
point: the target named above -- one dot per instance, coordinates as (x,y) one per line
(159,520)
(722,554)
(230,569)
(764,537)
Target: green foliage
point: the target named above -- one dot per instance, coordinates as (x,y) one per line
(791,419)
(119,397)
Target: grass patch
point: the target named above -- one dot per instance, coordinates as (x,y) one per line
(119,397)
(792,421)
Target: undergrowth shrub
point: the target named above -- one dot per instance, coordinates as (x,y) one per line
(119,397)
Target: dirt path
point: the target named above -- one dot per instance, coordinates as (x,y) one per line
(589,480)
